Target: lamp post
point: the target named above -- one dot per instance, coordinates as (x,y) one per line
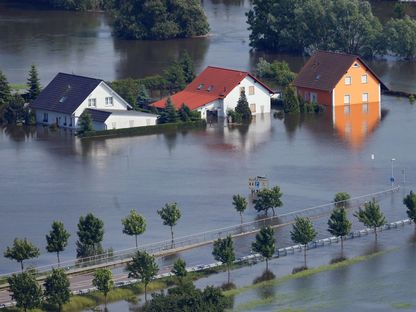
(392,172)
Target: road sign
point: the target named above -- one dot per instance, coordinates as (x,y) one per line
(258,183)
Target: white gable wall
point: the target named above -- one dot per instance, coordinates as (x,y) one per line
(261,97)
(100,93)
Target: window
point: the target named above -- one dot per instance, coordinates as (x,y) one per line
(92,102)
(253,108)
(62,99)
(365,108)
(356,65)
(347,80)
(201,86)
(347,109)
(364,97)
(346,99)
(210,88)
(109,101)
(45,117)
(364,78)
(314,97)
(251,90)
(242,89)
(365,127)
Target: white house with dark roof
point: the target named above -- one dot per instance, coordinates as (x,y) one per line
(67,96)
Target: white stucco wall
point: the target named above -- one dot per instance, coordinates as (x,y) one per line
(62,120)
(261,97)
(212,106)
(115,121)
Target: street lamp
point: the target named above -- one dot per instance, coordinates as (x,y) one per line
(392,172)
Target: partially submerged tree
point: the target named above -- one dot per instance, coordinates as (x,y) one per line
(103,280)
(277,71)
(57,291)
(410,202)
(134,224)
(240,205)
(90,235)
(371,216)
(265,244)
(5,92)
(170,214)
(290,100)
(268,199)
(169,114)
(223,251)
(33,83)
(21,250)
(85,122)
(339,225)
(143,266)
(341,199)
(303,233)
(25,290)
(57,239)
(243,108)
(187,66)
(179,269)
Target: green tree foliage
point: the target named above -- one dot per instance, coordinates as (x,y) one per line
(401,37)
(57,239)
(339,225)
(240,205)
(90,235)
(186,298)
(57,291)
(265,244)
(134,224)
(25,290)
(143,267)
(278,72)
(103,280)
(234,117)
(243,108)
(85,122)
(223,251)
(410,202)
(174,77)
(15,111)
(305,25)
(21,250)
(371,216)
(170,214)
(290,100)
(268,199)
(143,97)
(341,199)
(303,233)
(169,114)
(159,20)
(5,93)
(33,84)
(399,10)
(185,114)
(179,269)
(128,89)
(187,67)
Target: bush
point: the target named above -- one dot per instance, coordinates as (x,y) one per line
(234,117)
(412,99)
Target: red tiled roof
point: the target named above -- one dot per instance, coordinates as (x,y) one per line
(213,83)
(324,69)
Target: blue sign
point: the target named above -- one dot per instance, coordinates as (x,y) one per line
(257,184)
(392,179)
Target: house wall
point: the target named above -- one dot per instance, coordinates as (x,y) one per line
(212,106)
(356,89)
(261,97)
(126,121)
(62,120)
(322,97)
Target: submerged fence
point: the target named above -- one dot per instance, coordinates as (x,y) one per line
(112,258)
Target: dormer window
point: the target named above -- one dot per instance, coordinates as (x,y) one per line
(201,86)
(356,65)
(210,88)
(63,99)
(318,77)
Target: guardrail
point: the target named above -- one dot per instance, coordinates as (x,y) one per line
(112,258)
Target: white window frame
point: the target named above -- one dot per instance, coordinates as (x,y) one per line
(348,80)
(251,90)
(347,109)
(109,101)
(255,107)
(364,97)
(365,107)
(314,97)
(347,99)
(364,78)
(92,102)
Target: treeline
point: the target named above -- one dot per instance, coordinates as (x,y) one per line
(299,26)
(79,5)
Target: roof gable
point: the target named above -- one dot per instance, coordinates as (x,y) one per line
(65,93)
(325,69)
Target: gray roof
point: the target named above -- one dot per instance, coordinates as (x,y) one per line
(101,115)
(98,115)
(65,93)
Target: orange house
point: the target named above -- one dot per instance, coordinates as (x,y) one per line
(336,79)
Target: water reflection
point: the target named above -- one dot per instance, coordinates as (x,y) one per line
(356,122)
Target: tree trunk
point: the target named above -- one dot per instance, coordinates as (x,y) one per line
(59,260)
(228,268)
(375,233)
(267,264)
(171,233)
(59,307)
(105,300)
(145,292)
(304,256)
(274,213)
(342,246)
(136,240)
(241,217)
(21,265)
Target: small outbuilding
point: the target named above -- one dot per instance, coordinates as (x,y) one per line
(67,96)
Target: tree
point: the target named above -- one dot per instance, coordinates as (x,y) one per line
(401,37)
(85,122)
(57,290)
(223,251)
(33,83)
(268,199)
(90,235)
(184,113)
(169,114)
(25,290)
(129,90)
(170,215)
(174,77)
(265,244)
(278,72)
(339,225)
(5,93)
(410,202)
(341,199)
(21,250)
(187,66)
(240,204)
(143,97)
(290,100)
(103,280)
(15,111)
(179,269)
(303,233)
(243,108)
(134,224)
(371,216)
(143,267)
(57,239)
